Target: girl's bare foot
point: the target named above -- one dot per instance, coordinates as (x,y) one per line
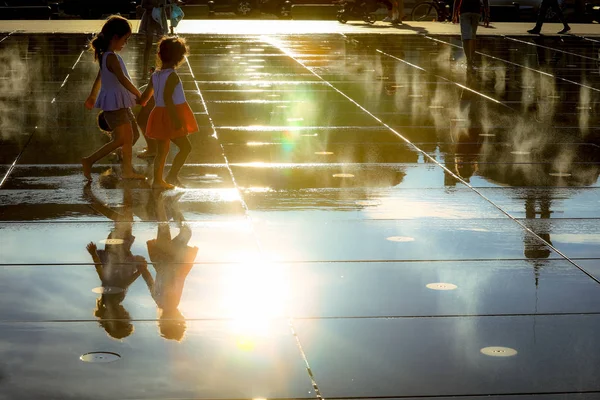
(174,181)
(132,175)
(162,185)
(87,169)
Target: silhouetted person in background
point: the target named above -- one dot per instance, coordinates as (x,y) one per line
(152,28)
(549,4)
(469,14)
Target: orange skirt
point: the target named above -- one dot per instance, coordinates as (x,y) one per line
(161,127)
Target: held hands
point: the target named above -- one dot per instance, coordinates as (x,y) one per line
(142,264)
(140,102)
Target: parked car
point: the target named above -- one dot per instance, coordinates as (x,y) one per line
(28,9)
(95,9)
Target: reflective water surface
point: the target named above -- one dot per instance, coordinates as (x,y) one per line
(337,183)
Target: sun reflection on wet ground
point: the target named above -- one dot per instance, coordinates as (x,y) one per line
(356,206)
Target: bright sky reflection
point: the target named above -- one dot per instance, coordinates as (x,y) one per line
(253,295)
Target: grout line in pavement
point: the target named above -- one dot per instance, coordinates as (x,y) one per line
(227,163)
(446,396)
(7,36)
(325,318)
(549,48)
(298,262)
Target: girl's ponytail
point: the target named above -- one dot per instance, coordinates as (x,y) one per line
(99,45)
(114,26)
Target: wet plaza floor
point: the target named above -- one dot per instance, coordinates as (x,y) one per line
(361,219)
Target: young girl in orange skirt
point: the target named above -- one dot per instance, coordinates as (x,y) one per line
(172,119)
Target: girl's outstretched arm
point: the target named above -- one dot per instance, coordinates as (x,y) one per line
(91,100)
(172,81)
(112,63)
(147,94)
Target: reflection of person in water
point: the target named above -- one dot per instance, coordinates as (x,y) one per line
(542,53)
(537,198)
(469,141)
(116,267)
(172,259)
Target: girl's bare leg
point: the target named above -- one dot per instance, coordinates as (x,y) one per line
(125,131)
(89,161)
(162,149)
(185,148)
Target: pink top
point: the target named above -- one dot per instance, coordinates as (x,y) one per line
(159,81)
(113,96)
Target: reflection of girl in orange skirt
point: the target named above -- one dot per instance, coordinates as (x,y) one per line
(172,119)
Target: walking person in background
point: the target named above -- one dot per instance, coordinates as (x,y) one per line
(153,25)
(172,119)
(115,94)
(554,6)
(398,11)
(469,14)
(390,8)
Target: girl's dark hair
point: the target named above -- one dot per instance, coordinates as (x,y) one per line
(172,51)
(114,26)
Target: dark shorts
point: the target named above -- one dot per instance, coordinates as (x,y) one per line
(119,117)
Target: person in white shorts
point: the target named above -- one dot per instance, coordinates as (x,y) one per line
(469,13)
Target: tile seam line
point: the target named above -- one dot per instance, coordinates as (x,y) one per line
(548,48)
(332,189)
(346,220)
(309,318)
(6,37)
(426,155)
(227,163)
(520,66)
(585,38)
(296,262)
(437,396)
(304,358)
(13,165)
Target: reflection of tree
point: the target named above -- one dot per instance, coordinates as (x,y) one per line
(172,259)
(116,266)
